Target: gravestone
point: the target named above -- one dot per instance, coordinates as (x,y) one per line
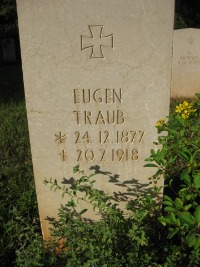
(97,79)
(186,63)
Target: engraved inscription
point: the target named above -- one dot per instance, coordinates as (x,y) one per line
(61,138)
(107,95)
(121,137)
(130,136)
(105,137)
(96,41)
(120,155)
(84,138)
(87,155)
(63,155)
(101,117)
(100,144)
(189,59)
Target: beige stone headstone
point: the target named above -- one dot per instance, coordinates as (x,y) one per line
(97,78)
(186,63)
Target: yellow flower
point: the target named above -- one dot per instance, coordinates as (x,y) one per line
(185,109)
(160,122)
(185,116)
(179,108)
(192,110)
(185,104)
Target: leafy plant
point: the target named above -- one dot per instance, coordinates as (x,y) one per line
(179,162)
(114,240)
(147,235)
(19,221)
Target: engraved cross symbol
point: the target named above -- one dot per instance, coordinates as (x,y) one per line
(63,155)
(96,41)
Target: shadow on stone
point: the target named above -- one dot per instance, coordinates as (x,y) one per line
(133,186)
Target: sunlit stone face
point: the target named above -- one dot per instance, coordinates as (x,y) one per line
(97,78)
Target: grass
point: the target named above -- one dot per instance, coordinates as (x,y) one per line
(18,206)
(19,220)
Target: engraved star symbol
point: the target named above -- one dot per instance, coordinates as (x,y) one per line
(61,138)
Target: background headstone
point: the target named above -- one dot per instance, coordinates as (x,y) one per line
(186,63)
(97,78)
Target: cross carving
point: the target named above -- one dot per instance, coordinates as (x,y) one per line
(96,41)
(63,155)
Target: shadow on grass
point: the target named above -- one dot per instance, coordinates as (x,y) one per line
(11,84)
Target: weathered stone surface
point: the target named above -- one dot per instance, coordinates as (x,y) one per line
(97,78)
(186,63)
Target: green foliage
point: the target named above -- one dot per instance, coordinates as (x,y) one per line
(8,18)
(148,235)
(179,22)
(187,14)
(114,239)
(179,161)
(19,222)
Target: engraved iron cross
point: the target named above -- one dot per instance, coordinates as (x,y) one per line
(96,41)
